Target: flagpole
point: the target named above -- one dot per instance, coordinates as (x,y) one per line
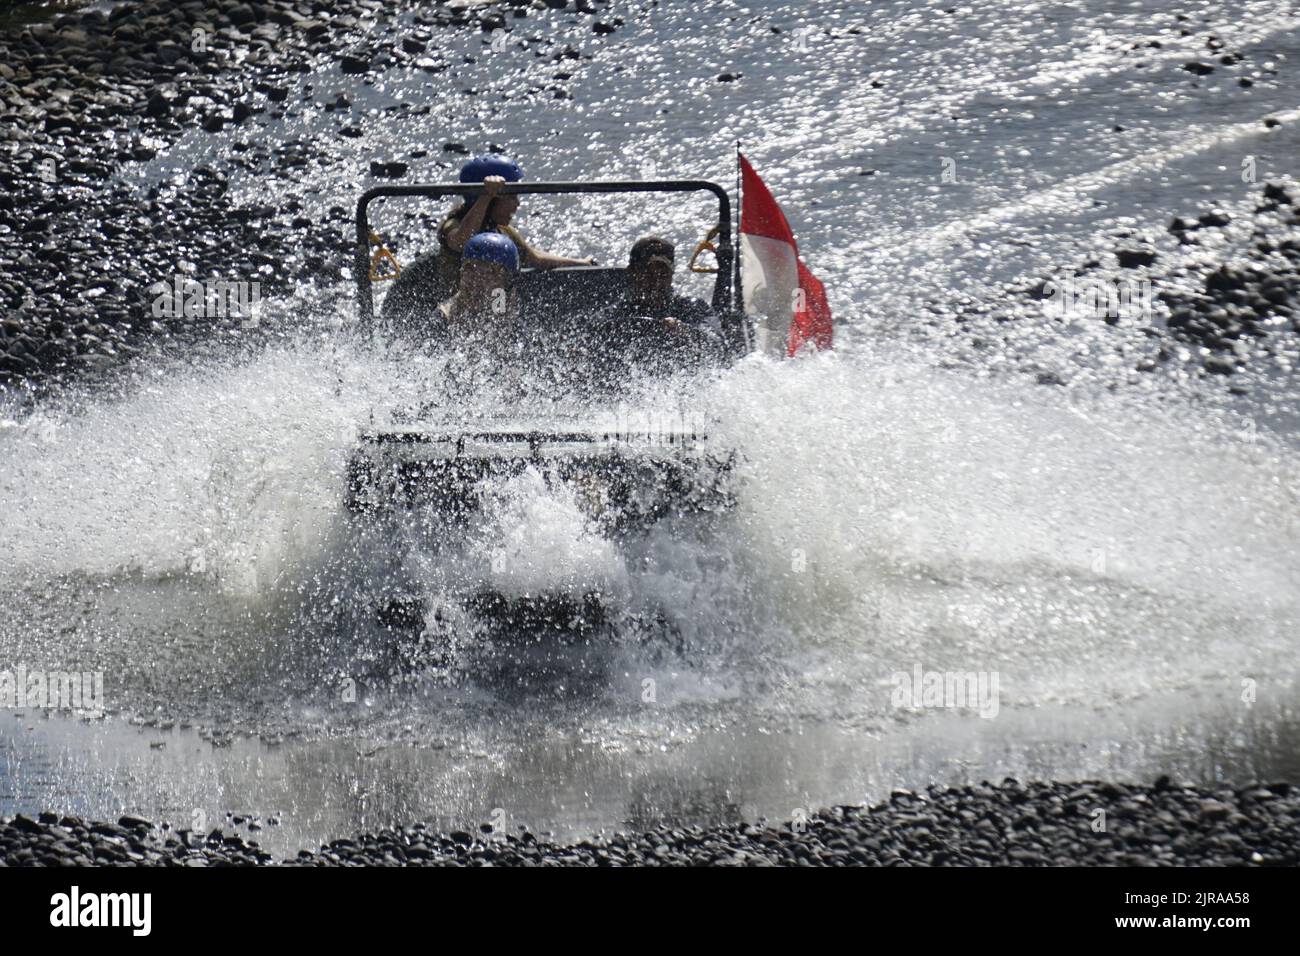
(738,294)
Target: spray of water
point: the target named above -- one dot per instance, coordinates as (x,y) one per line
(887,514)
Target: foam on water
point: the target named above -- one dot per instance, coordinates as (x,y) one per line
(1091,550)
(229,472)
(1087,548)
(859,461)
(889,513)
(536,538)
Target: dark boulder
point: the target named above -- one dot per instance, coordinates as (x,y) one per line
(354,65)
(1134,257)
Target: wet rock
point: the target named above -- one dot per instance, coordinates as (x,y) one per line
(1225,278)
(169,53)
(1134,257)
(1275,192)
(158,106)
(1009,824)
(241,14)
(313,29)
(354,65)
(1214,810)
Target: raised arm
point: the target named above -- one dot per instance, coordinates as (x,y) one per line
(472,222)
(546,260)
(533,258)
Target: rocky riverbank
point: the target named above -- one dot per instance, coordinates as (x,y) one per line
(92,92)
(1244,298)
(1006,824)
(1217,293)
(1237,304)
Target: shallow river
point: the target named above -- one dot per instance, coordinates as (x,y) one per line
(1124,563)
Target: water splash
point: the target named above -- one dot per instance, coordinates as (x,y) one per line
(887,511)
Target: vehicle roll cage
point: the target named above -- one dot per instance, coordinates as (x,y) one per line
(726,287)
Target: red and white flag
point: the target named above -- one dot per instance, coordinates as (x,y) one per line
(789,301)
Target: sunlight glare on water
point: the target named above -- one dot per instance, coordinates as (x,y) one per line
(914,498)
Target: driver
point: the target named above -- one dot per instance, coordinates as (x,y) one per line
(665,330)
(650,289)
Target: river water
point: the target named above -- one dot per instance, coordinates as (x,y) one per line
(1122,553)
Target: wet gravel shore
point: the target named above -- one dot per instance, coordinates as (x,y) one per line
(92,94)
(1006,824)
(1239,303)
(1244,298)
(1223,290)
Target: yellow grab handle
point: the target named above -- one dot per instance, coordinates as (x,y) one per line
(705,245)
(382,255)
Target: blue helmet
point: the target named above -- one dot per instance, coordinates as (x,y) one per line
(481,167)
(492,247)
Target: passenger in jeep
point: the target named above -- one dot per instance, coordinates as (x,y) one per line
(430,278)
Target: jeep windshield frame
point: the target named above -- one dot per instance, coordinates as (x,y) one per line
(725,300)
